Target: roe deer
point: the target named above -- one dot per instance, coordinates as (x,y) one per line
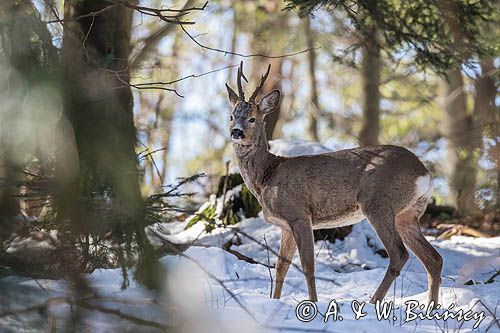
(388,185)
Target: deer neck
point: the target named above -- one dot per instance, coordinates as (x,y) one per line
(255,162)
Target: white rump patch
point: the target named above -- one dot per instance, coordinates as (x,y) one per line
(423,186)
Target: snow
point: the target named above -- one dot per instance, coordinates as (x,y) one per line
(208,289)
(351,263)
(346,270)
(291,148)
(216,289)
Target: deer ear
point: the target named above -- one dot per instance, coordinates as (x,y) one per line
(233,97)
(269,102)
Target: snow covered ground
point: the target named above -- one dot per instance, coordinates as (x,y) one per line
(208,289)
(346,270)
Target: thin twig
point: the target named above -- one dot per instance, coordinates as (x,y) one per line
(87,36)
(185,77)
(174,19)
(128,84)
(116,312)
(150,155)
(268,268)
(147,153)
(493,314)
(40,306)
(98,12)
(182,10)
(241,54)
(224,193)
(227,247)
(213,277)
(238,230)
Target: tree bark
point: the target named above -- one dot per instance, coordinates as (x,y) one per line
(370,69)
(272,83)
(314,109)
(99,106)
(26,46)
(160,133)
(276,19)
(99,103)
(484,101)
(486,116)
(463,143)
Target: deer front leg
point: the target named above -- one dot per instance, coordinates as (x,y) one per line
(287,251)
(303,235)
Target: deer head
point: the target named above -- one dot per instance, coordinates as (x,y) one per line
(247,117)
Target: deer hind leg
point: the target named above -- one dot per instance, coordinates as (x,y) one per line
(382,218)
(288,248)
(303,235)
(407,223)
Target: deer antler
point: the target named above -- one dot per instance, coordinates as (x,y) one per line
(261,84)
(240,87)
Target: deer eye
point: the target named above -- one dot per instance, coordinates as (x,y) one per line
(251,120)
(230,118)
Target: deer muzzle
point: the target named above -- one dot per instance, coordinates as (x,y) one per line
(237,134)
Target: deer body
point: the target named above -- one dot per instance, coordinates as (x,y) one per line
(387,185)
(326,187)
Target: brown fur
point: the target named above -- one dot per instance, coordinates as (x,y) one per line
(303,193)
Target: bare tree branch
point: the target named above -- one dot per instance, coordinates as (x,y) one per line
(142,86)
(83,302)
(158,84)
(91,14)
(116,312)
(162,83)
(185,9)
(142,9)
(242,54)
(159,13)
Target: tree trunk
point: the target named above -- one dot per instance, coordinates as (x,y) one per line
(160,134)
(276,19)
(463,143)
(371,68)
(272,83)
(23,38)
(289,105)
(99,100)
(99,106)
(486,115)
(314,109)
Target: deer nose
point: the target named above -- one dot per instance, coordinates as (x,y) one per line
(236,133)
